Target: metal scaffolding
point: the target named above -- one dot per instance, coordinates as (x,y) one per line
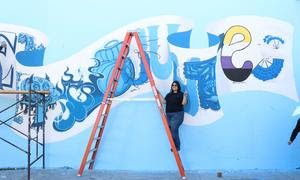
(32,110)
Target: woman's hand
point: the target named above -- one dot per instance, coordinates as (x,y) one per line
(161,98)
(184,100)
(185,94)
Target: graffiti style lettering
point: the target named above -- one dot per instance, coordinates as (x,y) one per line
(268,68)
(230,47)
(204,73)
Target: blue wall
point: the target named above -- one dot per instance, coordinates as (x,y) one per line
(253,132)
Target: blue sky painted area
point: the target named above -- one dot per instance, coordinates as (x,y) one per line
(252,134)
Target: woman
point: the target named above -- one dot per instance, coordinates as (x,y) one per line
(175,100)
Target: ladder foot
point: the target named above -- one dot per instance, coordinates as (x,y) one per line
(79,175)
(183,177)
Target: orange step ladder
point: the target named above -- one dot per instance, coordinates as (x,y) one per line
(107,101)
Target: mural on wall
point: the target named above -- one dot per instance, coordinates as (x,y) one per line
(22,46)
(245,53)
(7,66)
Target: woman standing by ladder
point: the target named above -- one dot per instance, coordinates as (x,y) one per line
(174,100)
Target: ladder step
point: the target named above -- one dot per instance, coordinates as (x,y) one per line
(100,126)
(89,161)
(105,102)
(97,138)
(92,150)
(111,93)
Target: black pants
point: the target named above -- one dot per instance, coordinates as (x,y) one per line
(295,131)
(175,119)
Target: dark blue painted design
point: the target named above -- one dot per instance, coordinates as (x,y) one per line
(19,119)
(192,106)
(180,39)
(11,44)
(94,90)
(274,41)
(270,72)
(200,74)
(214,39)
(3,50)
(204,73)
(32,55)
(268,69)
(38,84)
(77,108)
(221,39)
(110,51)
(107,58)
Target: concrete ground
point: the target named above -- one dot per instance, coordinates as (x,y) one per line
(70,174)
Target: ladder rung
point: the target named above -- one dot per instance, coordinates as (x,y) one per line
(92,150)
(89,161)
(101,126)
(105,102)
(97,138)
(104,115)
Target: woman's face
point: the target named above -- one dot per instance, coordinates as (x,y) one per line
(174,87)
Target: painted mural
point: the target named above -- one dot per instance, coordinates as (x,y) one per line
(245,53)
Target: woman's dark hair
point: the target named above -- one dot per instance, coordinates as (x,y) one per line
(178,85)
